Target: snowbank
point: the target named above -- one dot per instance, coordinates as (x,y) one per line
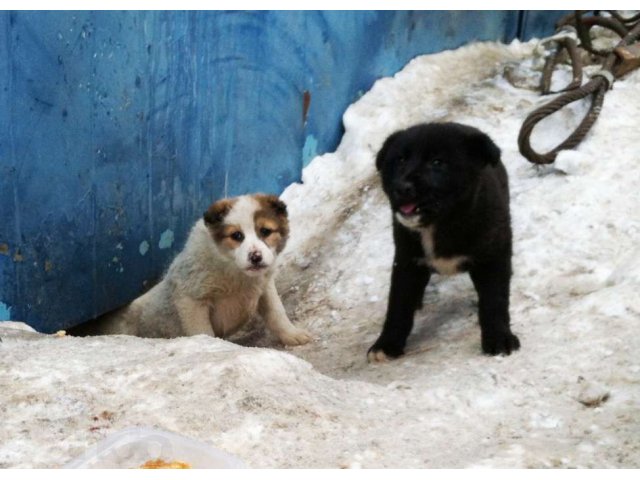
(569,398)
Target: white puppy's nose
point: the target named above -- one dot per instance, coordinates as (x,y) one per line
(255,257)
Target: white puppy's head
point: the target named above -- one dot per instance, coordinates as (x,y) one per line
(250,230)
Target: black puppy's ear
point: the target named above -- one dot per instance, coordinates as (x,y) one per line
(483,148)
(381,158)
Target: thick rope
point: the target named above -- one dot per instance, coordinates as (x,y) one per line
(571,46)
(597,87)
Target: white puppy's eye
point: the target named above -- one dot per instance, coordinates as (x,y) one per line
(237,236)
(265,232)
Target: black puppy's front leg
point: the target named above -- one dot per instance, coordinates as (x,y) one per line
(409,278)
(491,281)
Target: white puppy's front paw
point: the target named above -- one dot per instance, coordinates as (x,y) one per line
(295,336)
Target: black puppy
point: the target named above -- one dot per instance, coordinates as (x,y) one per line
(449,197)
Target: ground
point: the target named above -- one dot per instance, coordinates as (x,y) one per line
(569,398)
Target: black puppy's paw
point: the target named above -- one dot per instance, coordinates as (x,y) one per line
(498,343)
(382,351)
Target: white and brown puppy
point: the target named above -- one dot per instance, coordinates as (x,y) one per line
(219,281)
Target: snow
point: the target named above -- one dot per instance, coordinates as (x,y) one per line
(569,398)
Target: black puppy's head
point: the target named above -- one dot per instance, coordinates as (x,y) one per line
(429,168)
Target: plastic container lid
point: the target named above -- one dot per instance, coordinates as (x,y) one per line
(132,447)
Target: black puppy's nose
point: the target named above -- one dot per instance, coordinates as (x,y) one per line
(255,258)
(404,190)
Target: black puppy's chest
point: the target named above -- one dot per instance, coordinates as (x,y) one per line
(439,263)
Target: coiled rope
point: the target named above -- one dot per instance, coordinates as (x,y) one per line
(616,63)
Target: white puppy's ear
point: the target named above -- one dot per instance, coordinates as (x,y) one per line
(277,205)
(217,211)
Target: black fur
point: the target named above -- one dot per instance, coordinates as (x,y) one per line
(452,177)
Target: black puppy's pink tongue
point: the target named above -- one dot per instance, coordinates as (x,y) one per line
(408,208)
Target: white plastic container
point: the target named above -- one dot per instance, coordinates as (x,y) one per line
(132,447)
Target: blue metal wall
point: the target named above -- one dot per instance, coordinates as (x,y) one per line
(117,129)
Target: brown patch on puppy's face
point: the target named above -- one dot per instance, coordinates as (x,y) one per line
(249,230)
(228,236)
(214,220)
(272,224)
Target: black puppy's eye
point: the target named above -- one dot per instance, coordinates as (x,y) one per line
(265,232)
(237,236)
(437,162)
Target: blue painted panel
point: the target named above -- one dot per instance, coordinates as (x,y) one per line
(539,23)
(117,129)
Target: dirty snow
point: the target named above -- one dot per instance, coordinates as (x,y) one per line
(569,398)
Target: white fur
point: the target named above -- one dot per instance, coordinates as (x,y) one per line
(208,291)
(242,214)
(412,222)
(442,265)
